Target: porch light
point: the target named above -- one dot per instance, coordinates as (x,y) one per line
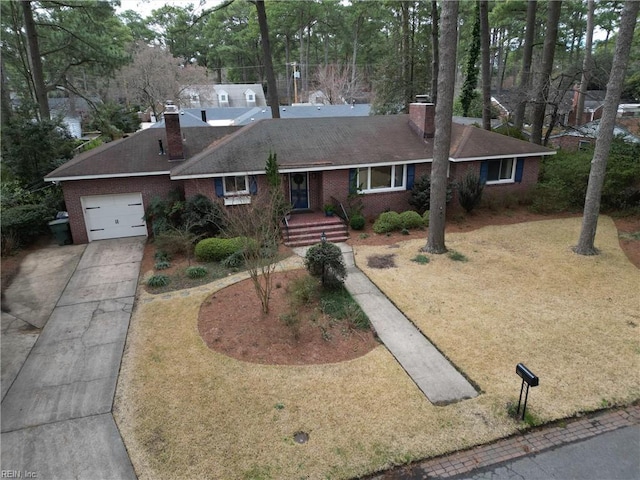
(323,237)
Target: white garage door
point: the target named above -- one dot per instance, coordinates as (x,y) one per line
(114,216)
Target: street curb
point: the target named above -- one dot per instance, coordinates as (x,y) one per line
(517,446)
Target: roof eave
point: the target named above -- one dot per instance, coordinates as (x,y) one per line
(103,176)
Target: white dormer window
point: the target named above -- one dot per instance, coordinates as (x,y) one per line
(223,98)
(250,97)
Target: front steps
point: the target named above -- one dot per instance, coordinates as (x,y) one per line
(307,229)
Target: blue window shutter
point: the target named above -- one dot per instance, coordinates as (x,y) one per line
(484,171)
(353,175)
(219,188)
(253,185)
(411,175)
(519,169)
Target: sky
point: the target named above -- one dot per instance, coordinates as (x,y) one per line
(144,7)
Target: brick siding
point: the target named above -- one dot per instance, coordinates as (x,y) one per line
(322,187)
(149,187)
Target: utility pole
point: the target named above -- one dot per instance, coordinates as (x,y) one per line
(296,75)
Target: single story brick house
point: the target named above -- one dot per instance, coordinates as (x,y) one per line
(107,189)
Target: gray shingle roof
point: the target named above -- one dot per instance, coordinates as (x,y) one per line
(300,143)
(136,154)
(331,143)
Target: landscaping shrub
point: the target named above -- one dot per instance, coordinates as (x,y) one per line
(235,260)
(162,256)
(196,272)
(162,265)
(217,249)
(469,191)
(425,218)
(357,222)
(325,260)
(411,219)
(421,194)
(164,213)
(23,224)
(202,217)
(564,178)
(156,281)
(175,242)
(339,304)
(303,290)
(387,222)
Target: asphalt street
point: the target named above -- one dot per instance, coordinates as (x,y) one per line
(610,456)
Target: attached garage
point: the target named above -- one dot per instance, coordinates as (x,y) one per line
(114,216)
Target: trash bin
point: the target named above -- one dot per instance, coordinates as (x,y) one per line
(62,232)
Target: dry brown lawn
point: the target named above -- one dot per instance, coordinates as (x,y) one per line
(186,411)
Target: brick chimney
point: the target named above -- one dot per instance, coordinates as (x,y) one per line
(422,117)
(174,135)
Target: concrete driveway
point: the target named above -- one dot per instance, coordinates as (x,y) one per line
(56,414)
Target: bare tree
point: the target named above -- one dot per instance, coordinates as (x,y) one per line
(544,75)
(335,82)
(257,223)
(442,139)
(155,76)
(605,134)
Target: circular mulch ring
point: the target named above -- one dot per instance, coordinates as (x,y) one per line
(231,322)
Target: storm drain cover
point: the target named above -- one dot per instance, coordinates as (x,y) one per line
(301,437)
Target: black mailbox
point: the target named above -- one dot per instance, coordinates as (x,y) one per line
(527,375)
(531,380)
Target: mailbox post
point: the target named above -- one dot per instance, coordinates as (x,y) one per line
(530,379)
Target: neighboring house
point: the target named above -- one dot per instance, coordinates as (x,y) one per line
(107,189)
(629,110)
(593,103)
(223,95)
(221,117)
(574,139)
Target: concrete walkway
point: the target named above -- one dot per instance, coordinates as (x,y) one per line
(428,368)
(56,415)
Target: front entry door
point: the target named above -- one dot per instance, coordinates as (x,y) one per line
(299,187)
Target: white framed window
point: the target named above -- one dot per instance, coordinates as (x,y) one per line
(236,190)
(238,185)
(501,171)
(223,97)
(382,178)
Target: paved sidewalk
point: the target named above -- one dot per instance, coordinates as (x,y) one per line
(428,368)
(531,443)
(56,416)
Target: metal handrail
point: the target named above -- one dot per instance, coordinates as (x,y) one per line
(344,215)
(285,220)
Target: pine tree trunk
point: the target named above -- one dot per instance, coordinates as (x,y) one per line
(435,51)
(518,116)
(35,62)
(586,65)
(486,70)
(442,139)
(544,76)
(268,63)
(605,134)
